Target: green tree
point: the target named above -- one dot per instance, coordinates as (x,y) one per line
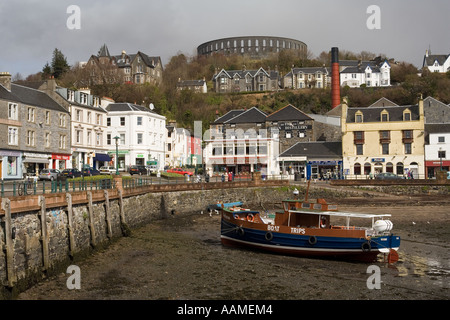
(59,64)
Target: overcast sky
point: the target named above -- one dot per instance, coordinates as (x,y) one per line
(31,29)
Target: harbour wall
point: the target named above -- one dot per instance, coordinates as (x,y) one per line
(41,235)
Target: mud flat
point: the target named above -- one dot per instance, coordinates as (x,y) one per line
(181,257)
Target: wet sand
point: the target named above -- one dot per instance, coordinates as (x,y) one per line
(182,258)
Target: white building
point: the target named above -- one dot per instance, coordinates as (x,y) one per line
(356,73)
(437,62)
(141,135)
(88,128)
(178,152)
(437,150)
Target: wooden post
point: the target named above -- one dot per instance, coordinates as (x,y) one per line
(12,279)
(125,229)
(91,220)
(108,214)
(70,222)
(44,234)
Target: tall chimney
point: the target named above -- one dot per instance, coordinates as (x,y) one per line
(335,78)
(5,80)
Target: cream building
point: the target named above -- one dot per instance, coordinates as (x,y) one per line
(383,138)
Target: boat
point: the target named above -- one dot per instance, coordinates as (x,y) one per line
(305,228)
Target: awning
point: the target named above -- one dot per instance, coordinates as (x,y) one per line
(102,157)
(35,160)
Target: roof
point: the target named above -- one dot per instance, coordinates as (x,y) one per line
(288,113)
(253,115)
(383,102)
(227,116)
(191,83)
(316,149)
(373,114)
(30,96)
(437,128)
(231,74)
(124,106)
(430,59)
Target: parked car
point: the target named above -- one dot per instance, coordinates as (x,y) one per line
(49,174)
(140,170)
(152,168)
(180,171)
(71,173)
(107,170)
(387,176)
(90,172)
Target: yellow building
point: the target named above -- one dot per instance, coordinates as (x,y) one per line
(383,138)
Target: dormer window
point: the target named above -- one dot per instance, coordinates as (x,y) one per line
(406,115)
(384,116)
(359,117)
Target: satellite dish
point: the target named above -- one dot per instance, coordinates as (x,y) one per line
(151,106)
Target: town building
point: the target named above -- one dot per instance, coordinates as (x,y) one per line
(354,73)
(437,148)
(35,131)
(386,138)
(229,81)
(140,134)
(198,86)
(439,63)
(292,125)
(312,160)
(138,68)
(300,78)
(179,146)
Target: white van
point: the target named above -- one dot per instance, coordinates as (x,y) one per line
(107,170)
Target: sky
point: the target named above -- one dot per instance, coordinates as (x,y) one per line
(31,29)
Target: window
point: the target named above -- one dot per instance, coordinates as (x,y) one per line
(441,154)
(108,122)
(359,117)
(62,141)
(47,139)
(83,98)
(31,113)
(62,120)
(358,137)
(89,117)
(99,119)
(288,135)
(11,170)
(31,138)
(89,140)
(47,117)
(357,169)
(13,136)
(79,135)
(139,121)
(12,111)
(108,139)
(122,121)
(408,148)
(359,149)
(98,140)
(441,139)
(385,148)
(407,116)
(139,138)
(384,117)
(122,138)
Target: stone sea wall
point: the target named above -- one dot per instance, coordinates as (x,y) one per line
(42,235)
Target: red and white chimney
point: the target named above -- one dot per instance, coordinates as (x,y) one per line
(335,78)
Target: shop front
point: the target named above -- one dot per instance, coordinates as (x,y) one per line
(122,155)
(101,159)
(59,161)
(324,169)
(434,166)
(33,162)
(10,164)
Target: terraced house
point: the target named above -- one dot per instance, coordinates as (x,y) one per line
(228,81)
(383,137)
(34,131)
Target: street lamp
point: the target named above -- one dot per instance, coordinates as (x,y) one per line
(117,154)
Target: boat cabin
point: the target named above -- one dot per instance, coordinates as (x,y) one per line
(302,216)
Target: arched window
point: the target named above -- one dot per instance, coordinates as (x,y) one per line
(389,167)
(357,169)
(367,168)
(399,168)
